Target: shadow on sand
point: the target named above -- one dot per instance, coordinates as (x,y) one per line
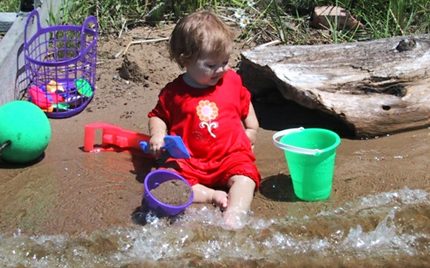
(278,188)
(284,114)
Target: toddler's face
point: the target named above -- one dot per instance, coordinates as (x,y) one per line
(208,70)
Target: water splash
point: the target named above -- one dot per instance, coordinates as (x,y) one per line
(372,228)
(383,239)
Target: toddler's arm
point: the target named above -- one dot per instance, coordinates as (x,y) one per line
(157,131)
(251,125)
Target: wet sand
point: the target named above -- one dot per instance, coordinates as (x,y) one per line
(71,191)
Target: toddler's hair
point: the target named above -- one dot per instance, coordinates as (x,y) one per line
(200,33)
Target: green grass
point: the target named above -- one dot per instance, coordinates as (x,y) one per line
(9,5)
(260,20)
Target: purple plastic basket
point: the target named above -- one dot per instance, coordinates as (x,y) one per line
(66,55)
(152,181)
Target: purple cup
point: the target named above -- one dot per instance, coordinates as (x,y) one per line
(152,181)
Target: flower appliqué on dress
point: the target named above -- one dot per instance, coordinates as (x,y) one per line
(207,112)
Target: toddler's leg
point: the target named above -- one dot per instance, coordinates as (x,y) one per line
(240,198)
(204,194)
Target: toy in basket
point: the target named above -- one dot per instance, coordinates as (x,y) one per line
(60,63)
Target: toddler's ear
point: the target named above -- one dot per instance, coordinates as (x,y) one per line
(182,60)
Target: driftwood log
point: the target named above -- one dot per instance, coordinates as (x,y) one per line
(376,87)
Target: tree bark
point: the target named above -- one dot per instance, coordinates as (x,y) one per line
(376,87)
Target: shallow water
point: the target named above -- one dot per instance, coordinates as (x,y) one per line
(385,229)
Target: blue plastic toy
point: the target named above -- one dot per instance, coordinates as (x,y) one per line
(173,145)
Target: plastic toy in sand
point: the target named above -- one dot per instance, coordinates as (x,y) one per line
(45,100)
(25,132)
(119,138)
(310,154)
(53,87)
(173,145)
(55,58)
(59,97)
(114,138)
(84,88)
(156,179)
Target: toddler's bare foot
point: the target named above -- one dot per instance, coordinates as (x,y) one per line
(235,219)
(219,198)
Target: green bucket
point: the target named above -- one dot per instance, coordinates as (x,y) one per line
(310,154)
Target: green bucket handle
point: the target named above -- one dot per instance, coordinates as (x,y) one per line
(278,135)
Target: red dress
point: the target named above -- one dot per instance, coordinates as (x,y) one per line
(209,120)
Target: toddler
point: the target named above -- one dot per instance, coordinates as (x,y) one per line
(212,111)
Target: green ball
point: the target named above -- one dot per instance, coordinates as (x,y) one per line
(27,127)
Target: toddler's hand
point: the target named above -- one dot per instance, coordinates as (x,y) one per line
(220,199)
(156,142)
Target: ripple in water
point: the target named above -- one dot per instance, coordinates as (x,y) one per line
(388,228)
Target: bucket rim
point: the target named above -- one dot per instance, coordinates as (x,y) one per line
(315,152)
(155,203)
